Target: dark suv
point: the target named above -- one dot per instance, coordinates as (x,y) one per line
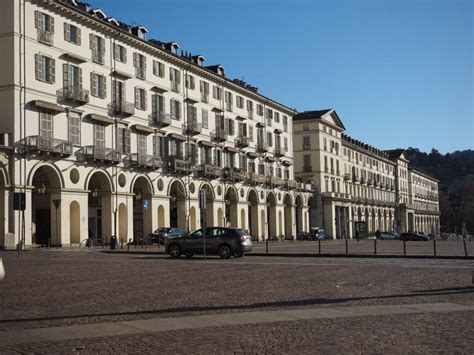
(164,233)
(413,236)
(222,241)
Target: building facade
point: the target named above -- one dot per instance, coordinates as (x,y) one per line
(359,187)
(105,132)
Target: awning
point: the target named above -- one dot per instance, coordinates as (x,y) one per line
(101,119)
(241,118)
(286,162)
(233,150)
(178,137)
(207,144)
(253,155)
(74,57)
(260,124)
(272,159)
(48,106)
(159,89)
(121,74)
(191,100)
(143,129)
(218,110)
(278,131)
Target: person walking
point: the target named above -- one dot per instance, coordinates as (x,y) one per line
(358,236)
(377,234)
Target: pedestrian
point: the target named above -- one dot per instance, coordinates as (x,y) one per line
(357,236)
(377,234)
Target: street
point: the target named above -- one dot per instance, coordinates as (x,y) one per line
(150,303)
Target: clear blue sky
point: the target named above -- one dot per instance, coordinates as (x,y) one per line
(398,72)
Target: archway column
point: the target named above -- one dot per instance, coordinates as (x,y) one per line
(280,219)
(242,220)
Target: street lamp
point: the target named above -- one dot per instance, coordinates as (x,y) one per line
(41,188)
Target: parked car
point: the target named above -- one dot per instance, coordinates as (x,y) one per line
(389,235)
(222,241)
(161,235)
(413,236)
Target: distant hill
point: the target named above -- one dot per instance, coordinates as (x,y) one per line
(455,172)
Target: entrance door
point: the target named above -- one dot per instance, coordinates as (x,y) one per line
(174,216)
(43,226)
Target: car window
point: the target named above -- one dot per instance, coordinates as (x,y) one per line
(196,234)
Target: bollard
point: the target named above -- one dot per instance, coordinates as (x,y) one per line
(319,246)
(121,243)
(465,247)
(375,246)
(128,246)
(434,246)
(347,248)
(404,247)
(266,245)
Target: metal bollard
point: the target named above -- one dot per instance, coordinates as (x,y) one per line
(266,245)
(347,248)
(404,247)
(434,246)
(319,246)
(375,246)
(465,247)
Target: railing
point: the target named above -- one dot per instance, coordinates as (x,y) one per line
(237,175)
(280,151)
(257,178)
(74,93)
(47,145)
(306,146)
(363,180)
(45,37)
(140,72)
(355,178)
(159,119)
(179,166)
(262,147)
(192,127)
(94,152)
(347,177)
(143,160)
(122,107)
(98,57)
(208,170)
(242,141)
(219,135)
(205,97)
(276,181)
(291,184)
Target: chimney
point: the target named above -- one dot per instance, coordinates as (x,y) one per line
(84,7)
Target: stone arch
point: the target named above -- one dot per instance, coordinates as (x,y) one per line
(180,187)
(142,190)
(49,167)
(139,177)
(178,193)
(104,177)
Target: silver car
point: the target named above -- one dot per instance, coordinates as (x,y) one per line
(219,240)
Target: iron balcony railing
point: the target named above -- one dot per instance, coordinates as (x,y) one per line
(208,170)
(306,146)
(46,37)
(257,178)
(242,141)
(280,150)
(234,174)
(144,160)
(219,135)
(179,166)
(276,181)
(347,177)
(192,127)
(94,152)
(123,108)
(262,146)
(159,119)
(291,184)
(205,97)
(74,93)
(47,145)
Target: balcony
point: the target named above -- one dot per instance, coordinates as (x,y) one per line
(136,160)
(192,127)
(179,166)
(347,177)
(122,108)
(208,170)
(96,153)
(45,37)
(234,174)
(306,146)
(219,135)
(363,180)
(74,93)
(257,178)
(275,181)
(262,147)
(205,97)
(159,119)
(250,114)
(339,196)
(291,184)
(355,178)
(280,151)
(38,144)
(242,141)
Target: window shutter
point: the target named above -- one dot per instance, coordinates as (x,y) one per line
(79,77)
(171,74)
(39,67)
(117,52)
(137,98)
(154,103)
(103,87)
(67,32)
(161,70)
(178,77)
(123,93)
(38,19)
(155,68)
(240,129)
(93,42)
(226,125)
(94,79)
(51,24)
(251,133)
(79,37)
(179,109)
(173,109)
(145,97)
(101,45)
(144,64)
(124,52)
(52,70)
(65,75)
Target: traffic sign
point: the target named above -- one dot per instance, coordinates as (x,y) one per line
(145,204)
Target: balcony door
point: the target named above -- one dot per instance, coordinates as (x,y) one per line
(119,92)
(99,135)
(46,125)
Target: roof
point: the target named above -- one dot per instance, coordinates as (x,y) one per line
(394,153)
(319,115)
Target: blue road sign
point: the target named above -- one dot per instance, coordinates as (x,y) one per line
(145,204)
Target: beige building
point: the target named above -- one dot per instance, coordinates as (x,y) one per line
(105,132)
(358,186)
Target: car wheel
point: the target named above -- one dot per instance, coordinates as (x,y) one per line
(239,254)
(174,251)
(189,255)
(224,251)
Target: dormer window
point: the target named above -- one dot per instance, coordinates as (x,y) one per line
(140,32)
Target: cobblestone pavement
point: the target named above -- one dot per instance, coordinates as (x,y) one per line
(49,288)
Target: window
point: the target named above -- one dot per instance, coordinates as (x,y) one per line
(306,143)
(191,115)
(260,109)
(98,85)
(175,109)
(140,99)
(217,92)
(45,68)
(123,140)
(97,46)
(158,146)
(228,101)
(46,125)
(119,92)
(276,117)
(249,106)
(269,139)
(74,128)
(175,78)
(72,77)
(158,69)
(285,140)
(120,53)
(261,169)
(250,133)
(204,87)
(158,104)
(139,62)
(229,123)
(285,123)
(72,34)
(243,162)
(307,162)
(45,27)
(269,113)
(190,82)
(325,144)
(99,135)
(141,144)
(205,118)
(240,101)
(306,127)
